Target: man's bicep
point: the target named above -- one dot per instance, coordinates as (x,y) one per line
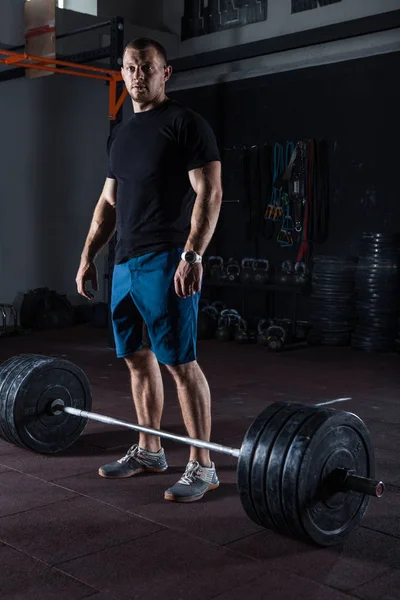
(206,178)
(109,192)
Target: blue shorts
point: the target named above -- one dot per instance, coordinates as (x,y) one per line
(143,292)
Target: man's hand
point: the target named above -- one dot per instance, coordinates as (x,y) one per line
(87,272)
(187,279)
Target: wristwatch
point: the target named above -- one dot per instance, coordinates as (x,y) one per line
(191,257)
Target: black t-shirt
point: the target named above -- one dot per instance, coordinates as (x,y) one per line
(150,156)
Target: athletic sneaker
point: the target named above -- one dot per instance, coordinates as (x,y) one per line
(135,461)
(193,484)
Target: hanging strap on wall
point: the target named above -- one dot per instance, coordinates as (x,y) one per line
(274,209)
(304,247)
(285,237)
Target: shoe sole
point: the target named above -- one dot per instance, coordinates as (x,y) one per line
(137,472)
(173,498)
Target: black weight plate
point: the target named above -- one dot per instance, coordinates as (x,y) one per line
(370,338)
(370,347)
(339,341)
(326,290)
(377,267)
(378,296)
(332,321)
(375,309)
(246,456)
(329,440)
(262,488)
(382,235)
(373,324)
(374,328)
(373,286)
(374,251)
(36,383)
(7,375)
(339,312)
(338,284)
(326,332)
(331,298)
(279,445)
(335,277)
(327,258)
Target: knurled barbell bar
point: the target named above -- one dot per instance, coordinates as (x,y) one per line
(306,471)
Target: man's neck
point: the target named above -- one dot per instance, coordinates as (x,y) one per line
(140,107)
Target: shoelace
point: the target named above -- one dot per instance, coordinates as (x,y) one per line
(190,473)
(133,450)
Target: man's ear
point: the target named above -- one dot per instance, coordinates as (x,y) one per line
(167,72)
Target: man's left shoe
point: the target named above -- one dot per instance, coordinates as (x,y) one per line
(193,484)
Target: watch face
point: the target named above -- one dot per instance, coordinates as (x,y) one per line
(190,256)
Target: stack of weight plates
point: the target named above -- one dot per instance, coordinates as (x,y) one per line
(377,290)
(332,300)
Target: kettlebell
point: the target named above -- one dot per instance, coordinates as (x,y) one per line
(262,327)
(219,306)
(233,318)
(275,338)
(247,271)
(300,273)
(232,270)
(215,267)
(223,331)
(243,335)
(261,271)
(286,275)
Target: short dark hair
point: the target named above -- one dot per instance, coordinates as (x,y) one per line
(144,44)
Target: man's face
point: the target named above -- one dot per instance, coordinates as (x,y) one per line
(144,74)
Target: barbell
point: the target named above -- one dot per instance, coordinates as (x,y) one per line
(304,471)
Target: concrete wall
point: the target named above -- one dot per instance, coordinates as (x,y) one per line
(11,22)
(52,170)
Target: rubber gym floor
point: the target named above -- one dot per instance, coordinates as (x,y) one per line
(68,534)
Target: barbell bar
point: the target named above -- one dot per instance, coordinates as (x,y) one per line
(305,471)
(57,406)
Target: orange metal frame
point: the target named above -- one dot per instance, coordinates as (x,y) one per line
(52,64)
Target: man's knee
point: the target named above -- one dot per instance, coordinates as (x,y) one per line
(139,360)
(184,372)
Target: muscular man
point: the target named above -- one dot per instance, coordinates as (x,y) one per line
(163,196)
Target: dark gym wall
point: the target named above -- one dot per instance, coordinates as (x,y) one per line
(353,105)
(54,132)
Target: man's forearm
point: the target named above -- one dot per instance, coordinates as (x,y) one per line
(204,220)
(101,229)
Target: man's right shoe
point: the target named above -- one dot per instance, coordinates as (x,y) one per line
(136,460)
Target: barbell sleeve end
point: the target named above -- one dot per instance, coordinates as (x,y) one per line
(363,485)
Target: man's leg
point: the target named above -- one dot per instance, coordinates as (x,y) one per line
(194,398)
(148,394)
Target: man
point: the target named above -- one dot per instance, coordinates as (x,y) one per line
(163,195)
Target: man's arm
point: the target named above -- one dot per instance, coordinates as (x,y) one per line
(103,222)
(206,182)
(101,229)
